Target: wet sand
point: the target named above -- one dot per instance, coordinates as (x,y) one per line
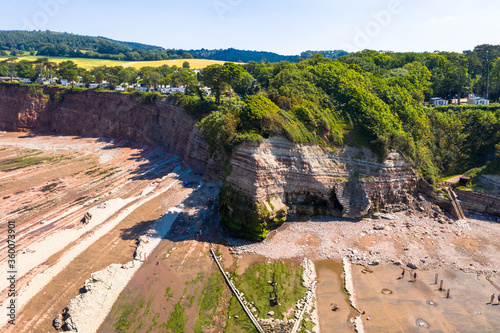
(466,311)
(330,290)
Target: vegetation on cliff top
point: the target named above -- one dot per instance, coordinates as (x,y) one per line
(330,103)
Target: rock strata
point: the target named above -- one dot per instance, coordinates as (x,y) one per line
(278,179)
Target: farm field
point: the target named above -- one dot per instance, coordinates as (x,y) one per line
(91,63)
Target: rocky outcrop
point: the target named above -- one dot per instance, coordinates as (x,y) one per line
(80,314)
(353,198)
(479,202)
(274,179)
(102,114)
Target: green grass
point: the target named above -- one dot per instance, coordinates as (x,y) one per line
(148,307)
(168,294)
(176,322)
(199,278)
(28,160)
(307,326)
(127,318)
(190,301)
(210,300)
(254,284)
(446,178)
(154,324)
(242,324)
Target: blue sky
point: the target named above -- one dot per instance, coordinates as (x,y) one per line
(286,27)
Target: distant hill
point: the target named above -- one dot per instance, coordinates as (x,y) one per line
(241,55)
(327,54)
(58,44)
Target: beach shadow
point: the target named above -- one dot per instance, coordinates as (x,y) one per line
(136,231)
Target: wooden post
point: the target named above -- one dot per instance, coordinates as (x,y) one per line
(436,279)
(441,285)
(448,294)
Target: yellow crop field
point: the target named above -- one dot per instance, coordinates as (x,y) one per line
(193,63)
(90,63)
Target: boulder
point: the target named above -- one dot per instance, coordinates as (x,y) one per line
(58,322)
(411,265)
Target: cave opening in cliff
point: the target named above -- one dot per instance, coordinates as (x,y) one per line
(334,202)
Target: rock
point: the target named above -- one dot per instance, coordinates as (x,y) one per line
(270,313)
(379,227)
(411,265)
(374,263)
(86,219)
(58,322)
(389,217)
(398,263)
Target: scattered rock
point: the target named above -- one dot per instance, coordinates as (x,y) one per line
(411,265)
(58,322)
(270,313)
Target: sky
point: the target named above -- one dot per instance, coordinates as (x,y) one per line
(282,26)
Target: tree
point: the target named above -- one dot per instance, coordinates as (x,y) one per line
(11,63)
(219,130)
(213,78)
(67,69)
(245,85)
(232,75)
(185,64)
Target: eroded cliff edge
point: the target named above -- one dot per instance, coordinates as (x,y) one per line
(102,114)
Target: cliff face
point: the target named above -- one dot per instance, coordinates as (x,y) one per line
(276,178)
(109,115)
(268,182)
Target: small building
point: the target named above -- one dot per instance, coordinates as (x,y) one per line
(180,89)
(26,80)
(475,100)
(164,90)
(64,82)
(464,181)
(439,101)
(141,88)
(93,85)
(119,88)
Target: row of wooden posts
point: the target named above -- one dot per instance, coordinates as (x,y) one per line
(436,279)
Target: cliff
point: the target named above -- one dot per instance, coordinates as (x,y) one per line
(101,114)
(276,178)
(266,182)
